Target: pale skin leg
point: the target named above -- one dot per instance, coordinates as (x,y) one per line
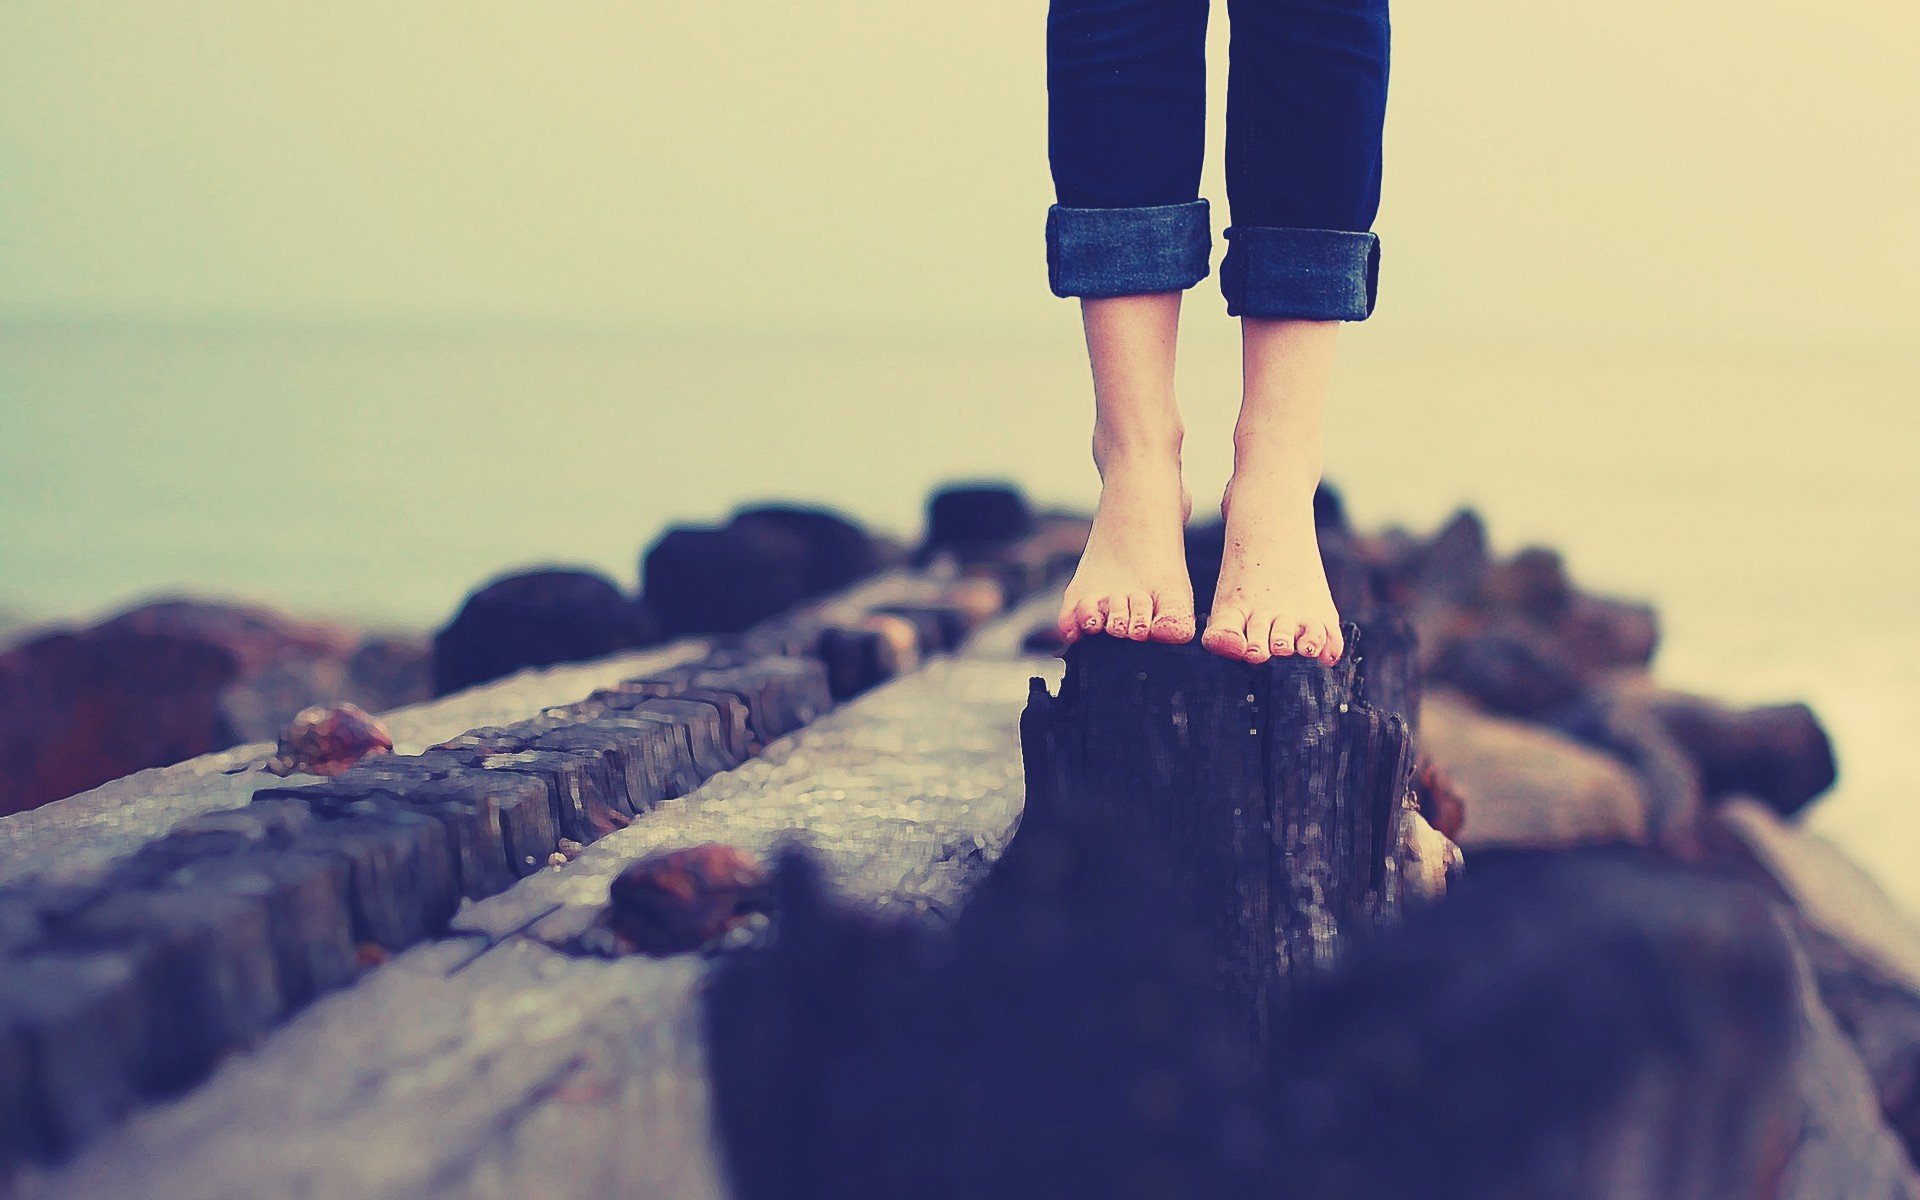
(1132,580)
(1273,598)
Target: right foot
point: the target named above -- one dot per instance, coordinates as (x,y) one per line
(1132,580)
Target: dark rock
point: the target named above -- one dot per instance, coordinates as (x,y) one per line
(1452,563)
(1864,953)
(706,581)
(1777,752)
(1590,1025)
(1533,583)
(1586,1024)
(1512,670)
(536,619)
(969,520)
(1330,512)
(1880,1015)
(1618,721)
(838,552)
(1599,632)
(680,900)
(150,687)
(387,672)
(861,657)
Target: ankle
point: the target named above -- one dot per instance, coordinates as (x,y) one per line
(1277,461)
(1119,445)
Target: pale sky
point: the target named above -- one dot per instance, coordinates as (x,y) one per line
(1642,170)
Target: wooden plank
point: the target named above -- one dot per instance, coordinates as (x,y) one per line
(205,972)
(403,884)
(69,1050)
(1272,794)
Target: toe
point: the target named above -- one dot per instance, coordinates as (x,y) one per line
(1172,619)
(1258,634)
(1336,645)
(1139,615)
(1090,615)
(1311,639)
(1118,622)
(1068,622)
(1280,639)
(1226,633)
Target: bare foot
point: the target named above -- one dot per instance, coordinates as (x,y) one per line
(1132,580)
(1273,599)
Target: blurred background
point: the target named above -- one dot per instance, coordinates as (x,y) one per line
(344,308)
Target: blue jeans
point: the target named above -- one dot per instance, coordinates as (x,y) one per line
(1306,97)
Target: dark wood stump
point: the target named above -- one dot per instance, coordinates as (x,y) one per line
(1273,794)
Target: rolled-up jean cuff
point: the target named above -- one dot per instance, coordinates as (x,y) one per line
(1096,252)
(1306,274)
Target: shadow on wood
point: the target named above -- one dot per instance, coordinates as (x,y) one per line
(1587,1024)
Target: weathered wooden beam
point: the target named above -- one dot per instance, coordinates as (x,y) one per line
(226,922)
(1273,793)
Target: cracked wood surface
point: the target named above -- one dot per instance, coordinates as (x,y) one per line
(443,1074)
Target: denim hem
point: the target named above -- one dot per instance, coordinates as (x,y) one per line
(1306,274)
(1098,252)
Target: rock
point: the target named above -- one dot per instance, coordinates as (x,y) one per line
(327,739)
(1533,584)
(862,655)
(968,520)
(1865,953)
(386,672)
(1617,720)
(1599,632)
(160,683)
(1451,564)
(1778,752)
(1844,1148)
(1330,512)
(1512,670)
(535,619)
(1528,786)
(1595,1023)
(1437,800)
(1431,860)
(1879,1017)
(706,581)
(1585,1024)
(680,900)
(838,552)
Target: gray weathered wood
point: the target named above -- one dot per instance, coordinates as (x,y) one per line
(1272,793)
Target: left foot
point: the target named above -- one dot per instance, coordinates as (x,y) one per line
(1273,600)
